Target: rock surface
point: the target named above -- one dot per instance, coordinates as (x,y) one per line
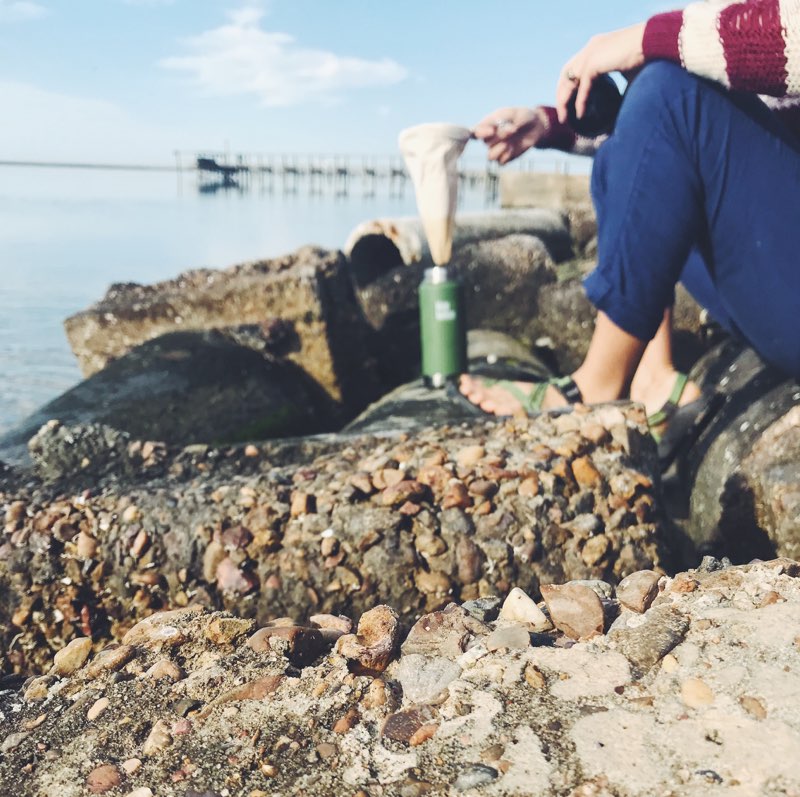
(742,475)
(414,521)
(308,292)
(190,387)
(716,713)
(115,556)
(414,406)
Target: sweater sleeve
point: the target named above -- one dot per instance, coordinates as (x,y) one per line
(562,137)
(747,45)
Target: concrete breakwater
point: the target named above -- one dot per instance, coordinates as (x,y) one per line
(363,571)
(413,520)
(692,688)
(303,343)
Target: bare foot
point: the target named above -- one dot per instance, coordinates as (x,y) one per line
(497,400)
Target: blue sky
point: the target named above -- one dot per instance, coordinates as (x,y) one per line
(135,80)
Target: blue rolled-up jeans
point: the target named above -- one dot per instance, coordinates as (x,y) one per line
(700,185)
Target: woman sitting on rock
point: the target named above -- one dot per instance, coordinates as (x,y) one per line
(699,183)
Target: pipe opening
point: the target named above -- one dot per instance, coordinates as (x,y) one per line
(373,256)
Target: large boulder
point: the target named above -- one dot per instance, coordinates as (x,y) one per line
(308,291)
(742,475)
(772,471)
(376,245)
(191,387)
(414,520)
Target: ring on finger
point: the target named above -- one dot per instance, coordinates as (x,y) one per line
(502,124)
(571,76)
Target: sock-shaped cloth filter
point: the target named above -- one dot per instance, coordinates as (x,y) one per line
(431,153)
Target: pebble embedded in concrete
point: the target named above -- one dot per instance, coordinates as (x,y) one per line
(521,608)
(638,590)
(474,777)
(696,693)
(574,609)
(72,657)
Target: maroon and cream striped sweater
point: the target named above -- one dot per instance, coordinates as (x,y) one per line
(746,45)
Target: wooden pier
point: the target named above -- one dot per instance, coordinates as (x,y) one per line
(339,175)
(343,175)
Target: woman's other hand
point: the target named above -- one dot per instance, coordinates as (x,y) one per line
(619,51)
(508,132)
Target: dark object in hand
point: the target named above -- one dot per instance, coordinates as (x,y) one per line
(602,107)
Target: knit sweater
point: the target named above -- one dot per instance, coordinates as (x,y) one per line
(746,45)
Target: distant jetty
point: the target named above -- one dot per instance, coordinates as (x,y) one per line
(312,173)
(319,173)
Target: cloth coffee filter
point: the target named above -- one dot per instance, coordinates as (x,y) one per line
(431,153)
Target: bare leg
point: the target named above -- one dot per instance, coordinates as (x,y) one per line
(604,375)
(610,363)
(655,377)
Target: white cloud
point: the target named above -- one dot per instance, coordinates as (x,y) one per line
(241,57)
(18,10)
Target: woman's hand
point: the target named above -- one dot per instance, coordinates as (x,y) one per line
(620,51)
(508,132)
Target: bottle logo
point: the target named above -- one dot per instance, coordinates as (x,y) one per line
(444,311)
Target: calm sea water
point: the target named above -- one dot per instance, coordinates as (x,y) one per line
(66,235)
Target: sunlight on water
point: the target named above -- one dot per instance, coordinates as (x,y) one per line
(66,235)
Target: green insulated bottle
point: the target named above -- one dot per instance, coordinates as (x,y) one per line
(442,332)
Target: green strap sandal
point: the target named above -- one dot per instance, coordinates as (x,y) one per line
(668,410)
(675,428)
(532,402)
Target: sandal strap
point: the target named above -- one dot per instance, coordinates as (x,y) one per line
(564,384)
(681,381)
(670,406)
(510,387)
(534,400)
(568,389)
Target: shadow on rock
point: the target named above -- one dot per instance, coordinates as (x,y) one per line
(739,481)
(190,387)
(414,406)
